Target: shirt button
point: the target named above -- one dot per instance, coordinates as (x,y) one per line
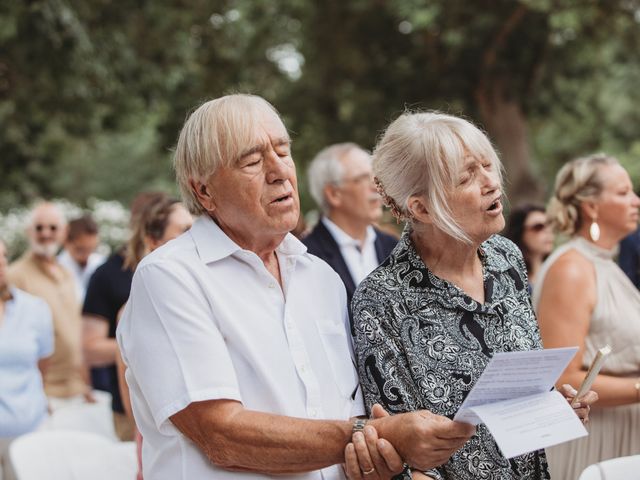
(272,285)
(303,369)
(313,413)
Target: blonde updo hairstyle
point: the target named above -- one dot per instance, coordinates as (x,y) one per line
(578,181)
(423,153)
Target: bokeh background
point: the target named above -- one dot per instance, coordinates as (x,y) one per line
(93,92)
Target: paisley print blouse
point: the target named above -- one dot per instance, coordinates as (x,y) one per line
(422,343)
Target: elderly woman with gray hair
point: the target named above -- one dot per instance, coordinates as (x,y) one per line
(583,298)
(452,293)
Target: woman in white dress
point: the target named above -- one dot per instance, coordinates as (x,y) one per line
(583,298)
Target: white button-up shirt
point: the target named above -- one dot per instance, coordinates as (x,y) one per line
(360,260)
(206,320)
(81,275)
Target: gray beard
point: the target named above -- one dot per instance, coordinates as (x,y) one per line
(47,250)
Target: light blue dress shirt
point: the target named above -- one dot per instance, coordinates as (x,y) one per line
(26,336)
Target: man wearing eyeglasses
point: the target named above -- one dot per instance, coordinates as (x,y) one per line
(341,183)
(39,273)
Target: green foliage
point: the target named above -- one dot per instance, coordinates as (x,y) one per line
(93,93)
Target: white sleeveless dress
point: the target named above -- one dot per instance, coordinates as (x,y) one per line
(613,431)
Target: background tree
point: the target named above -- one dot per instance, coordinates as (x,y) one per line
(93,93)
(538,76)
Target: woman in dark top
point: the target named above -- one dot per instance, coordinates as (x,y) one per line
(451,294)
(529,228)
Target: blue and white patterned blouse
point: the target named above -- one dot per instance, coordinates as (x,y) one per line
(422,343)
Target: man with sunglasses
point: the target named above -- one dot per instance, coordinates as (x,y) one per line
(341,183)
(39,273)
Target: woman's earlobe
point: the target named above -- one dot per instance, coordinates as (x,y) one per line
(591,210)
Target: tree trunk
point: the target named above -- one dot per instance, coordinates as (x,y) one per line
(501,112)
(506,124)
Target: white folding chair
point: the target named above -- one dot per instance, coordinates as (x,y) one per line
(623,468)
(72,455)
(94,417)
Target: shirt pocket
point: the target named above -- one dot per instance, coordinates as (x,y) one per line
(337,347)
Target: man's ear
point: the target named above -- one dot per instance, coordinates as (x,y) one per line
(203,194)
(333,195)
(418,209)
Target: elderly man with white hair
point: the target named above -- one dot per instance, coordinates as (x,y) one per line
(235,338)
(341,183)
(39,273)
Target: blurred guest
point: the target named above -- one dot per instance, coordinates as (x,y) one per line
(340,182)
(451,294)
(39,273)
(583,298)
(79,255)
(530,230)
(629,259)
(301,229)
(108,290)
(158,223)
(26,339)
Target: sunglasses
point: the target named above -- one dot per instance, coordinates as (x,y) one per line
(40,227)
(537,227)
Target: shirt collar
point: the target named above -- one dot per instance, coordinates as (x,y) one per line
(343,239)
(213,244)
(40,264)
(493,259)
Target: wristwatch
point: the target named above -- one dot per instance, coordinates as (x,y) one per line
(358,425)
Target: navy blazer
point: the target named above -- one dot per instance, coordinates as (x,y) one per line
(629,259)
(321,243)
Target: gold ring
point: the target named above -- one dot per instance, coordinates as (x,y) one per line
(369,472)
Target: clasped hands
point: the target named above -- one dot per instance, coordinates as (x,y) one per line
(421,439)
(424,440)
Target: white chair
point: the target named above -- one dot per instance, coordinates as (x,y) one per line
(623,468)
(94,417)
(72,455)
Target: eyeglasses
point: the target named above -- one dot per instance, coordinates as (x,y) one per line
(537,227)
(359,179)
(40,227)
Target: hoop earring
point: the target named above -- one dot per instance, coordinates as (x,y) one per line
(594,231)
